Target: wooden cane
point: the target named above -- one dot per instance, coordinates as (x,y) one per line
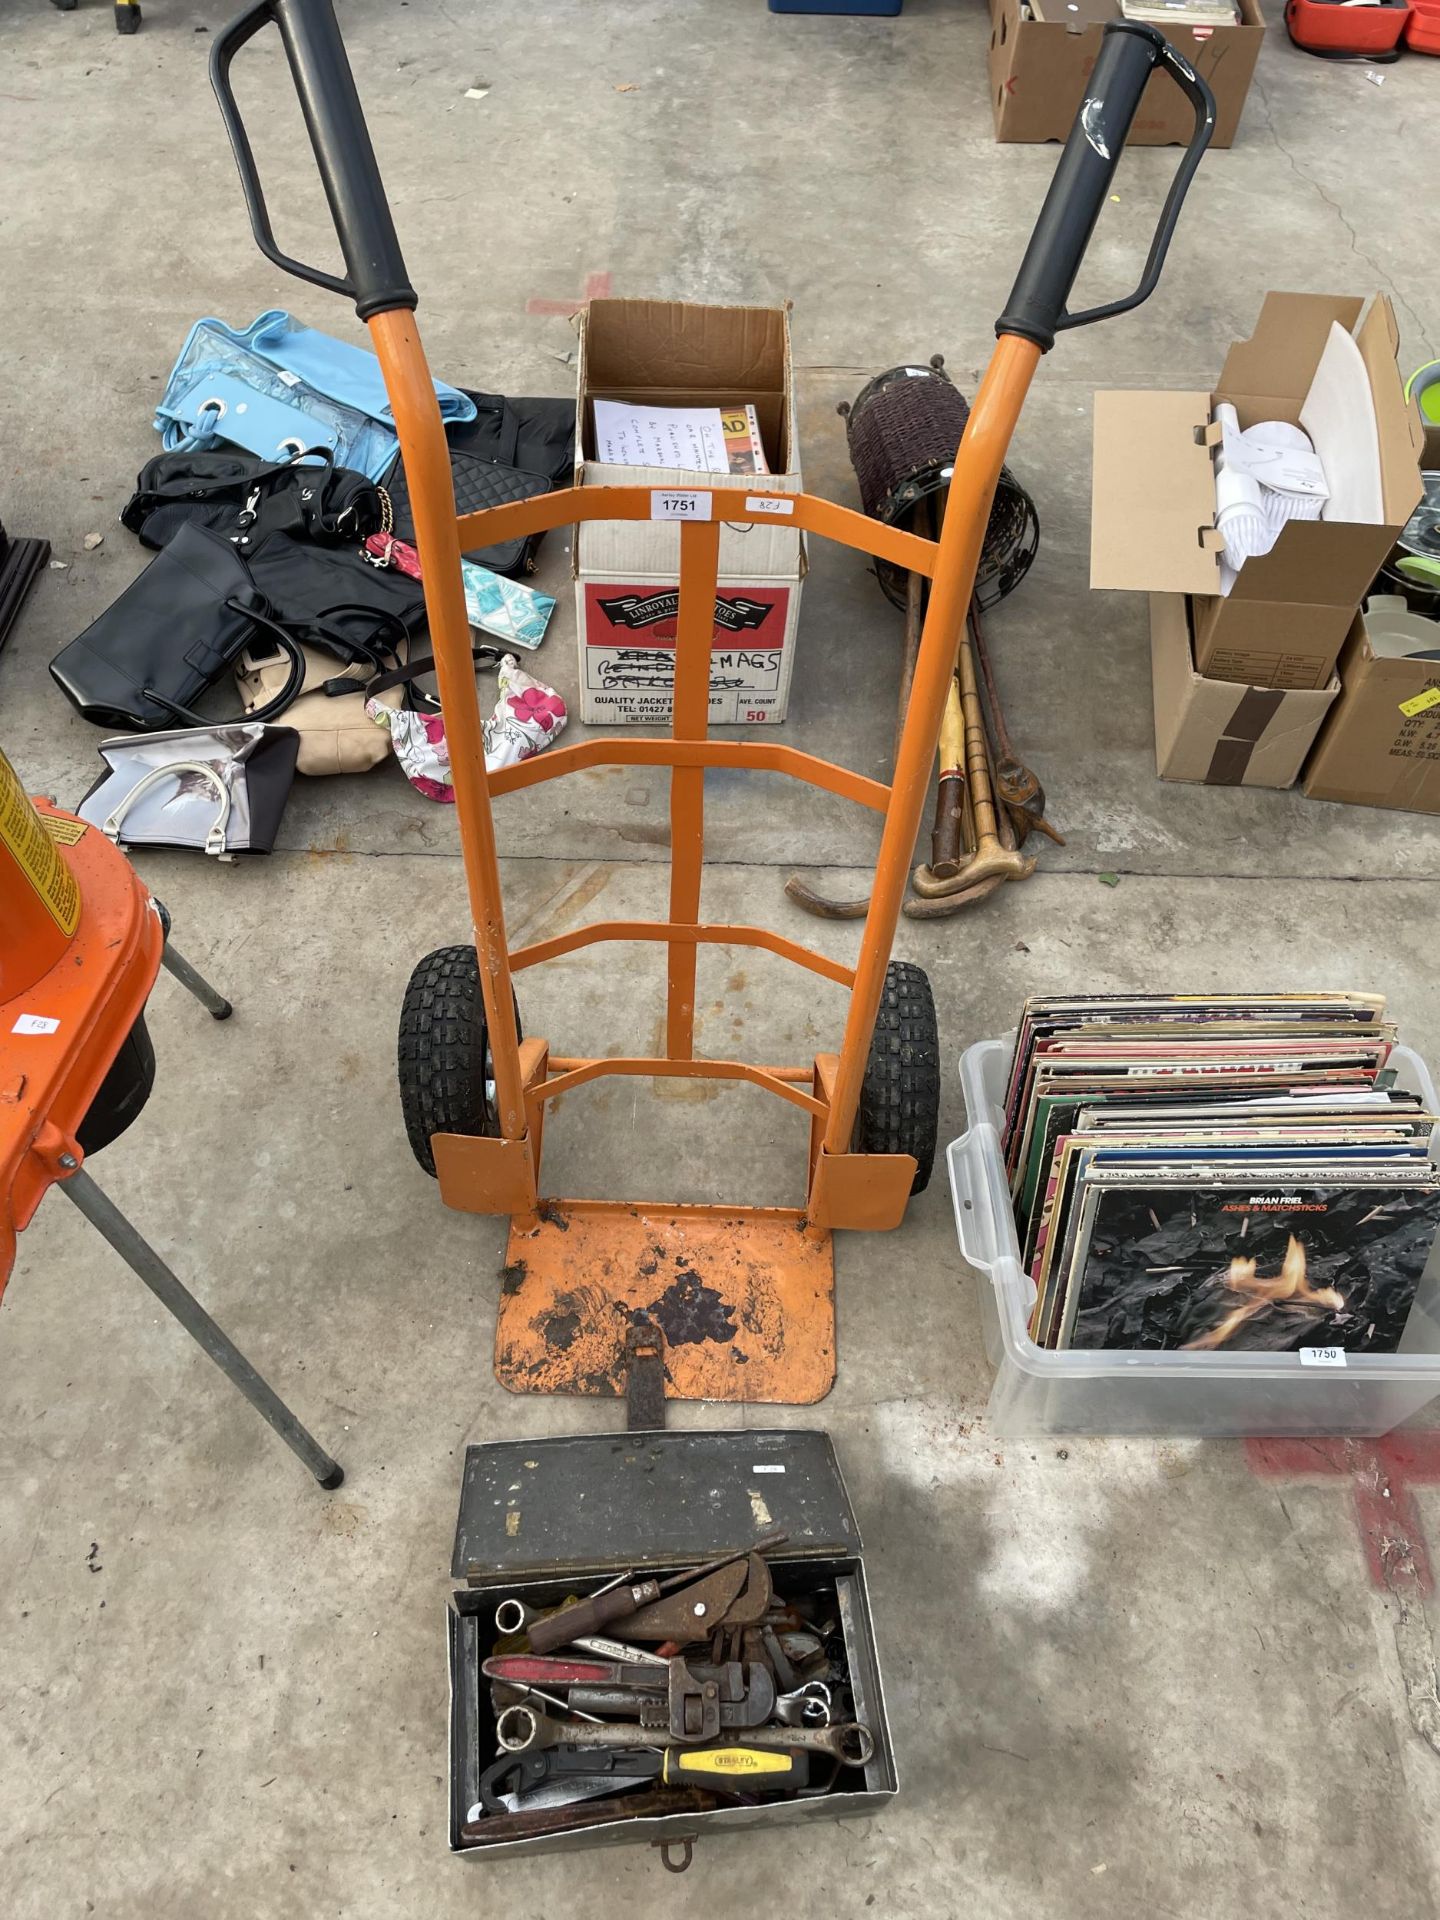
(991,855)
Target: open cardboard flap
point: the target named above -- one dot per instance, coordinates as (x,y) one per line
(1152,524)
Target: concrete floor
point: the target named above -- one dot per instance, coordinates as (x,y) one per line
(1126,1678)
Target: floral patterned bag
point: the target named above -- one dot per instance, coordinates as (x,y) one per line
(528,716)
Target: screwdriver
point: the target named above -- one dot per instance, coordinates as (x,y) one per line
(734,1769)
(614,1603)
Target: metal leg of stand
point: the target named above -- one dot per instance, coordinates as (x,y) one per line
(142,1259)
(179,968)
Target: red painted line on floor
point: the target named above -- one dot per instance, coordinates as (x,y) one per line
(1383,1475)
(597,287)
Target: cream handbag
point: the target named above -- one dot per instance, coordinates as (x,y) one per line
(336,735)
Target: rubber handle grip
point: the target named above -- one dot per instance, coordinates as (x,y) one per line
(590,1616)
(375,277)
(1130,52)
(740,1769)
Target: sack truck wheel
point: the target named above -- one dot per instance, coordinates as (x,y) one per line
(900,1095)
(446,1083)
(127,16)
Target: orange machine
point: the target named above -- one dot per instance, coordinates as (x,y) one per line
(737,1301)
(81,941)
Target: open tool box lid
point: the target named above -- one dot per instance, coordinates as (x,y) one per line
(534,1509)
(1152,526)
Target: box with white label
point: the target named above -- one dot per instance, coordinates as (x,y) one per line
(670,354)
(627,624)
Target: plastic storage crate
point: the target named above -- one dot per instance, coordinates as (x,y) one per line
(1109,1391)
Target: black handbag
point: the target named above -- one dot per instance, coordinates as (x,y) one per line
(299,530)
(334,597)
(512,450)
(236,494)
(479,484)
(173,632)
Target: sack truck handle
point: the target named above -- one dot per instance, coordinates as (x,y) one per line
(1129,53)
(375,276)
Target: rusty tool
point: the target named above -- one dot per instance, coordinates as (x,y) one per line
(612,1603)
(700,1703)
(517,1692)
(821,905)
(513,1617)
(634,1806)
(679,1618)
(733,1597)
(1020,790)
(522,1729)
(692,1703)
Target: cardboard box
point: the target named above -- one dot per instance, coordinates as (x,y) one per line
(627,648)
(669,353)
(1039,66)
(1219,733)
(1152,523)
(1372,752)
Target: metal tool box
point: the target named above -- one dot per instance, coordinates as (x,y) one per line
(544,1519)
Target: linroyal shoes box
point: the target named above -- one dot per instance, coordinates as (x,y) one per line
(671,354)
(1153,516)
(627,648)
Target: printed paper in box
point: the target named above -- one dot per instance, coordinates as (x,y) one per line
(627,631)
(671,353)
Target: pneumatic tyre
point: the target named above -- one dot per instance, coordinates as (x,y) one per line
(446,1084)
(900,1095)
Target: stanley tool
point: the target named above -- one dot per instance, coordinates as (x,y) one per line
(722,1769)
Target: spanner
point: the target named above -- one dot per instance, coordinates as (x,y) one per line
(807,1706)
(521,1729)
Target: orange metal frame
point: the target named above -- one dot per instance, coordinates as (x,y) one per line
(501,1174)
(83,992)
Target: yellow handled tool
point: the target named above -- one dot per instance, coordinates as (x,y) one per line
(770,1769)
